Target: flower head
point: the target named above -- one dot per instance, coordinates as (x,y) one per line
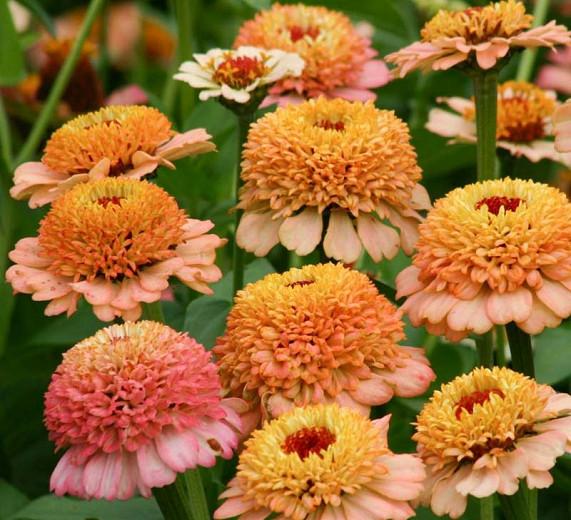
(322,462)
(317,334)
(491,253)
(136,404)
(116,242)
(338,60)
(350,161)
(562,127)
(523,121)
(130,141)
(557,74)
(484,431)
(479,36)
(237,74)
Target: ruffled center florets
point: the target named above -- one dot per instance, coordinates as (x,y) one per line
(495,203)
(308,440)
(239,72)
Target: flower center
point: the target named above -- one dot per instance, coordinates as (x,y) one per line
(239,72)
(296,32)
(495,203)
(479,24)
(469,401)
(326,124)
(300,283)
(306,441)
(105,201)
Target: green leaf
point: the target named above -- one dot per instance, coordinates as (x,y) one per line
(12,69)
(40,15)
(552,359)
(253,272)
(206,319)
(258,4)
(55,508)
(11,500)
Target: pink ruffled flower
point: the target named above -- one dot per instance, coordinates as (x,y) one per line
(484,432)
(489,254)
(557,75)
(130,141)
(523,124)
(338,57)
(114,242)
(135,405)
(562,127)
(478,35)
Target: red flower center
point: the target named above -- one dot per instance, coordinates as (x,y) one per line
(239,72)
(469,401)
(300,283)
(308,440)
(495,203)
(330,125)
(297,33)
(105,201)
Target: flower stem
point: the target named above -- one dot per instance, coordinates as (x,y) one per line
(5,144)
(517,506)
(487,508)
(196,495)
(485,344)
(525,67)
(60,83)
(486,94)
(521,351)
(154,311)
(173,500)
(184,13)
(500,340)
(244,121)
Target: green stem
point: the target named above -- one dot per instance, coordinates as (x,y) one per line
(154,311)
(521,350)
(60,84)
(196,495)
(485,344)
(487,508)
(103,62)
(517,507)
(184,10)
(525,67)
(5,142)
(486,94)
(500,340)
(238,253)
(173,500)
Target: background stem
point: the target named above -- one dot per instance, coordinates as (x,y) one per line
(521,350)
(154,311)
(196,495)
(525,67)
(487,508)
(485,344)
(486,94)
(173,500)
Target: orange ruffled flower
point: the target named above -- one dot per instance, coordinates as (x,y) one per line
(523,123)
(319,463)
(562,127)
(321,333)
(479,35)
(338,60)
(484,431)
(131,141)
(349,162)
(115,242)
(489,254)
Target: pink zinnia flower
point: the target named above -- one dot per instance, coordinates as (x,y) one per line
(484,432)
(562,127)
(115,242)
(338,58)
(478,35)
(135,405)
(557,75)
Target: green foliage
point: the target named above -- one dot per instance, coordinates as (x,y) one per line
(12,69)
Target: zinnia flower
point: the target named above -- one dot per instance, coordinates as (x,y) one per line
(478,35)
(129,141)
(346,163)
(321,333)
(322,462)
(237,74)
(562,127)
(135,405)
(115,242)
(523,122)
(484,431)
(557,75)
(338,59)
(491,253)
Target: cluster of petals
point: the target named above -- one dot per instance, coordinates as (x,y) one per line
(129,141)
(524,122)
(237,74)
(338,58)
(489,254)
(115,242)
(562,127)
(335,168)
(557,74)
(135,405)
(322,463)
(478,36)
(484,432)
(322,333)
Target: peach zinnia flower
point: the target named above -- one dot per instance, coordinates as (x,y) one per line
(562,127)
(321,333)
(478,35)
(523,122)
(484,431)
(115,242)
(136,404)
(338,60)
(557,75)
(130,141)
(491,253)
(322,462)
(349,164)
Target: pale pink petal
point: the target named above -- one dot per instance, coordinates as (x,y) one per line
(302,233)
(28,252)
(449,60)
(380,241)
(353,94)
(420,198)
(510,306)
(414,375)
(446,499)
(542,450)
(404,480)
(235,507)
(446,124)
(556,297)
(258,232)
(374,74)
(67,477)
(97,292)
(178,450)
(479,483)
(470,315)
(539,479)
(539,318)
(373,391)
(67,304)
(29,177)
(127,95)
(194,227)
(543,36)
(102,475)
(556,78)
(408,230)
(193,142)
(488,57)
(407,282)
(153,471)
(341,241)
